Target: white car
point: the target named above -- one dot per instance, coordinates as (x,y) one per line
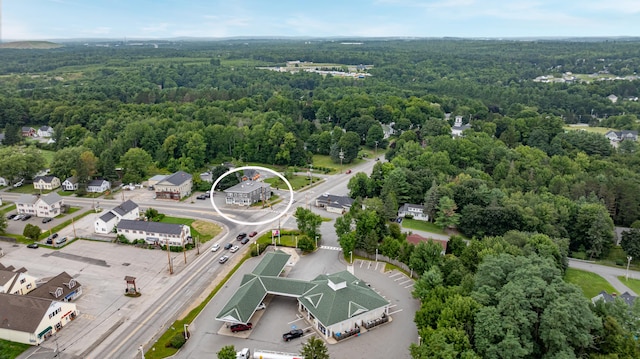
(234,249)
(223,259)
(215,247)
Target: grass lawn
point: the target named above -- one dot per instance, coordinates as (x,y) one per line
(66,193)
(421,226)
(287,239)
(12,349)
(27,188)
(633,284)
(7,209)
(601,130)
(297,182)
(327,162)
(48,156)
(590,283)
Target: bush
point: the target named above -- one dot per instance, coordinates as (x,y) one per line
(177,341)
(306,244)
(620,262)
(122,239)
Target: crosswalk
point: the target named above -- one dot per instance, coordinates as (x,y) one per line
(331,248)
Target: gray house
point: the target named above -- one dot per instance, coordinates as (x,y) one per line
(247,193)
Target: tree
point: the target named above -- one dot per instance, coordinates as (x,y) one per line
(425,256)
(11,135)
(456,245)
(227,181)
(135,165)
(446,216)
(308,222)
(227,352)
(3,224)
(314,348)
(631,242)
(65,162)
(31,231)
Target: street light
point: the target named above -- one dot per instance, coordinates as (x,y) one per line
(316,242)
(141,349)
(351,258)
(186,333)
(629,258)
(341,158)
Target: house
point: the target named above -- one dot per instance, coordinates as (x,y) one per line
(610,298)
(62,287)
(49,205)
(175,186)
(415,211)
(32,320)
(107,221)
(46,182)
(29,132)
(334,204)
(16,281)
(247,193)
(415,239)
(458,128)
(45,131)
(3,181)
(613,98)
(155,232)
(98,186)
(619,136)
(337,305)
(70,184)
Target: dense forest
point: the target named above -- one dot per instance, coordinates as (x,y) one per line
(525,190)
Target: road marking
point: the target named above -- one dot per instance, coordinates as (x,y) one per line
(331,248)
(391,306)
(409,286)
(361,263)
(295,320)
(395,274)
(397,311)
(397,279)
(405,282)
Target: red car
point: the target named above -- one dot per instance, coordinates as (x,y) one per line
(348,171)
(253,234)
(240,327)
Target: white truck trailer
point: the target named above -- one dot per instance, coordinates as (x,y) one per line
(245,353)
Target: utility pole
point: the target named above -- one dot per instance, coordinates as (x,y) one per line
(341,158)
(197,245)
(375,152)
(629,258)
(184,250)
(74,228)
(166,243)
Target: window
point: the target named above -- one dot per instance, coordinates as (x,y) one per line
(29,286)
(22,281)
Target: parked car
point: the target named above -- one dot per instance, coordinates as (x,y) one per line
(201,197)
(223,259)
(215,247)
(11,216)
(61,240)
(54,236)
(292,334)
(47,219)
(253,234)
(241,236)
(33,245)
(18,217)
(19,183)
(228,246)
(26,217)
(245,240)
(234,249)
(348,172)
(240,327)
(49,241)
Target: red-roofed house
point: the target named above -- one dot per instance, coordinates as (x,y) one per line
(415,239)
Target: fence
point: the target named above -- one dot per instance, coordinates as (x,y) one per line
(382,258)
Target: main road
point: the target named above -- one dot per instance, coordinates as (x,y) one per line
(185,287)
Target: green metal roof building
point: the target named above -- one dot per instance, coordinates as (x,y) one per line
(332,303)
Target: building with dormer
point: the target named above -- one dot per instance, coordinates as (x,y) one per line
(62,287)
(108,220)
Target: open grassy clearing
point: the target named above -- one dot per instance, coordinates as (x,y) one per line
(590,283)
(421,226)
(12,349)
(206,229)
(297,182)
(633,284)
(601,130)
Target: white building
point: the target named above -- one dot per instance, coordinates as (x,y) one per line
(3,181)
(107,221)
(49,205)
(175,186)
(14,281)
(155,232)
(458,128)
(70,184)
(46,182)
(415,211)
(98,186)
(45,131)
(32,320)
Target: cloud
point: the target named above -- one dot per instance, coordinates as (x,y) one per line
(155,28)
(624,7)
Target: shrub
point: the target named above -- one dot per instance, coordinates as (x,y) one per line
(177,341)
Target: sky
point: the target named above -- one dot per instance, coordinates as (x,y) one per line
(159,19)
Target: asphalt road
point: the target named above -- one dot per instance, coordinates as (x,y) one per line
(611,274)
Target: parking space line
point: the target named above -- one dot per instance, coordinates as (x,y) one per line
(397,279)
(391,306)
(394,274)
(361,263)
(409,286)
(397,311)
(405,282)
(295,320)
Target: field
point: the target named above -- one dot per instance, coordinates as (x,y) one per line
(202,229)
(11,349)
(590,283)
(633,284)
(601,130)
(421,226)
(297,182)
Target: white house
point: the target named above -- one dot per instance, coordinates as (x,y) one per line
(98,186)
(155,232)
(458,128)
(247,193)
(46,182)
(70,184)
(3,181)
(32,320)
(334,204)
(45,131)
(16,281)
(413,210)
(107,221)
(49,205)
(613,98)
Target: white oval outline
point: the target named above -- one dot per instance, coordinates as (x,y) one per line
(252,223)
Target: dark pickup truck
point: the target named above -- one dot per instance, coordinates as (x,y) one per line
(295,333)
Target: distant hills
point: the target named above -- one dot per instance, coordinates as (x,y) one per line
(29,45)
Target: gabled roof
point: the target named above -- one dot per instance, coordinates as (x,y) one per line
(175,179)
(335,201)
(49,290)
(27,199)
(22,313)
(125,207)
(158,178)
(45,179)
(46,128)
(405,207)
(6,276)
(610,298)
(415,239)
(107,216)
(51,198)
(150,227)
(72,180)
(272,265)
(96,183)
